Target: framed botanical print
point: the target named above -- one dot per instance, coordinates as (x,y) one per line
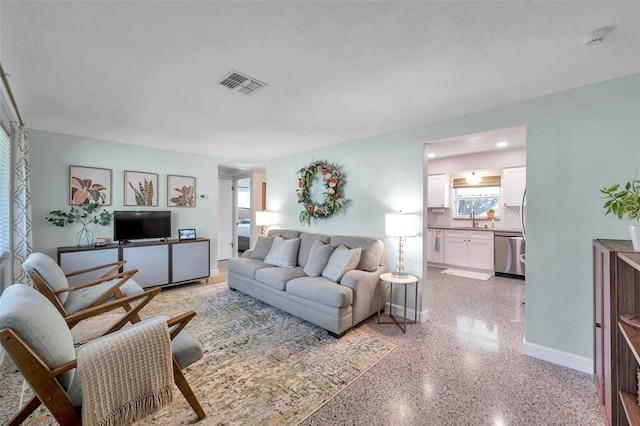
(89,185)
(181,191)
(140,189)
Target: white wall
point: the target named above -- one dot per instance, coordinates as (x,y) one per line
(577,142)
(481,161)
(52,153)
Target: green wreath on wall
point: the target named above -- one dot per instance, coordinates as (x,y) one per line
(331,180)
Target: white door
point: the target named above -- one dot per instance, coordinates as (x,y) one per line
(225,219)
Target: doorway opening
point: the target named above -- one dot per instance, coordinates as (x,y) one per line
(240,195)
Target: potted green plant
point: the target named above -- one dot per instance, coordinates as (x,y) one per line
(84,214)
(624,202)
(491,213)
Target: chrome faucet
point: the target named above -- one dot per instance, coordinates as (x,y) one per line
(474,222)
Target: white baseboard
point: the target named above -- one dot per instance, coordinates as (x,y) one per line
(398,310)
(213,272)
(555,356)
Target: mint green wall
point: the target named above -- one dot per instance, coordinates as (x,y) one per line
(52,153)
(577,142)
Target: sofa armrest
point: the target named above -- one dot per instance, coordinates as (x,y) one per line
(246,253)
(366,291)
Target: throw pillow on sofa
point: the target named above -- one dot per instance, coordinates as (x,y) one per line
(283,252)
(318,258)
(262,248)
(342,260)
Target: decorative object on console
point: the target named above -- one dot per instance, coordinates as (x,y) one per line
(187,234)
(140,189)
(330,177)
(401,225)
(83,214)
(181,191)
(625,203)
(265,218)
(89,185)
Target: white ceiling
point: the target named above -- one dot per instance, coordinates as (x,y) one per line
(146,72)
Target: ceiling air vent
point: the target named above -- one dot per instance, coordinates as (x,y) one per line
(241,83)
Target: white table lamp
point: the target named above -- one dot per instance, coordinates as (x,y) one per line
(265,218)
(401,225)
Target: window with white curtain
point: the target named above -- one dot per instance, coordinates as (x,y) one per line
(5,196)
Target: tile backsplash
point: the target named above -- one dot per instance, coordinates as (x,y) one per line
(509,219)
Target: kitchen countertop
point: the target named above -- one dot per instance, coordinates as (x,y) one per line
(479,228)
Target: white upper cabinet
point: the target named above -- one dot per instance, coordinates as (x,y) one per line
(514,181)
(438,191)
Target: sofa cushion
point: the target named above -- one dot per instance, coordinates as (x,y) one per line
(318,258)
(49,271)
(306,242)
(287,234)
(277,277)
(372,250)
(283,252)
(36,320)
(342,260)
(246,267)
(261,250)
(78,300)
(321,290)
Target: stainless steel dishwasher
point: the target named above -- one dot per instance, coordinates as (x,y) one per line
(508,248)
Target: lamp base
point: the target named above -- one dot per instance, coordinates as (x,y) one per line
(399,274)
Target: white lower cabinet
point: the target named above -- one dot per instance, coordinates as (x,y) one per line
(158,262)
(83,259)
(435,249)
(151,263)
(473,249)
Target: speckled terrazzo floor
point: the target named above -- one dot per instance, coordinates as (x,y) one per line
(464,366)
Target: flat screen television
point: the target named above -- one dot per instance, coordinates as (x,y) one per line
(138,225)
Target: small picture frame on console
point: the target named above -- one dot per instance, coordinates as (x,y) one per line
(187,234)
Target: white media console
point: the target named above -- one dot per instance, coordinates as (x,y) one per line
(158,262)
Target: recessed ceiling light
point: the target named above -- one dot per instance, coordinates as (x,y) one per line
(431,155)
(502,144)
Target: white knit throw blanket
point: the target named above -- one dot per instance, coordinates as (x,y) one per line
(126,375)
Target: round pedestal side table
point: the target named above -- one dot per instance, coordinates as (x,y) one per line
(405,281)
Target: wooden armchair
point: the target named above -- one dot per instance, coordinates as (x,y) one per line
(52,282)
(42,348)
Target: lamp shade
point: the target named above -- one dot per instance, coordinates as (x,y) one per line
(401,224)
(265,218)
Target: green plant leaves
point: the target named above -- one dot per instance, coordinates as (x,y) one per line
(623,203)
(80,214)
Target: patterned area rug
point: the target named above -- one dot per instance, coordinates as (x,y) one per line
(261,365)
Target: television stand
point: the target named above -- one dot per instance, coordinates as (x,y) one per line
(158,262)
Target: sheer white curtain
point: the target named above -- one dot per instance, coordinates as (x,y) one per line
(22,241)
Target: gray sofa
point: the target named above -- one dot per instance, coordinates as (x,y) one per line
(330,281)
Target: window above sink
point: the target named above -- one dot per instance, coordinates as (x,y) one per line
(479,197)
